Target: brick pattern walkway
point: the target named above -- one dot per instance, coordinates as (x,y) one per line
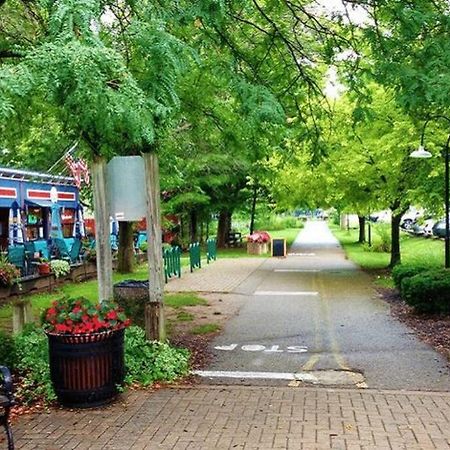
(206,418)
(223,275)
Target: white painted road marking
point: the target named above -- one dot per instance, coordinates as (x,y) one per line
(257,375)
(262,348)
(286,293)
(301,254)
(227,348)
(253,348)
(323,377)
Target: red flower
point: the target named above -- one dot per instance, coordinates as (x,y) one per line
(111,315)
(79,316)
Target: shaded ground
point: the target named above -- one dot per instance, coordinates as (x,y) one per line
(433,329)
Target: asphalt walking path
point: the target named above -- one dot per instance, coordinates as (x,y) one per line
(311,361)
(313,317)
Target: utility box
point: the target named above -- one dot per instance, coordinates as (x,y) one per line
(126,188)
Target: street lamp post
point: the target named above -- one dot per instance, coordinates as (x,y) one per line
(422,153)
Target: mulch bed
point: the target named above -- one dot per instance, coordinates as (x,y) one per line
(433,329)
(198,346)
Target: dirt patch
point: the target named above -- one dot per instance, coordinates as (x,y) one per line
(433,329)
(182,321)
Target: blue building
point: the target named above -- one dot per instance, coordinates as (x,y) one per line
(27,198)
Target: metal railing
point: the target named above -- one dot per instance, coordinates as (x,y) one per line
(194,256)
(172,262)
(211,250)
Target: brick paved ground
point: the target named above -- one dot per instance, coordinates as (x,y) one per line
(223,275)
(205,418)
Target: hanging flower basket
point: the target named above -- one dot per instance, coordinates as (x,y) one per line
(86,351)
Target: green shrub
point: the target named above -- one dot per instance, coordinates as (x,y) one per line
(147,362)
(274,222)
(402,271)
(32,366)
(428,292)
(383,243)
(7,350)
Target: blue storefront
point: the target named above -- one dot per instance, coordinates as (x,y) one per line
(27,200)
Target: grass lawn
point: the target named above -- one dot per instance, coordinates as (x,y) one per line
(414,250)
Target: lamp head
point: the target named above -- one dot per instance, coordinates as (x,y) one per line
(421,153)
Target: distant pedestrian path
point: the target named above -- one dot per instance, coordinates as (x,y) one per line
(315,236)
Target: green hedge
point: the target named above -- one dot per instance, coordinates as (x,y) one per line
(7,350)
(401,271)
(428,292)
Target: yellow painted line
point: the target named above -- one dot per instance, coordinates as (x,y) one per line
(315,358)
(312,361)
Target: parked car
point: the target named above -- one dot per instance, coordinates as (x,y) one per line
(428,227)
(422,228)
(410,218)
(439,228)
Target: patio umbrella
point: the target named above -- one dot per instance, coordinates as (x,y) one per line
(79,230)
(56,229)
(113,226)
(15,225)
(11,226)
(20,232)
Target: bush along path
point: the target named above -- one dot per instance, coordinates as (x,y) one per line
(421,299)
(421,296)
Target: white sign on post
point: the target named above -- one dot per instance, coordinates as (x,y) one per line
(126,188)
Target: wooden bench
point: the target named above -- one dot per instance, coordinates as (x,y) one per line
(6,402)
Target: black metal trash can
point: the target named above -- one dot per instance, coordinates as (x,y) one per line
(86,369)
(132,296)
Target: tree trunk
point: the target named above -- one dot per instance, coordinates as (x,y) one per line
(253,210)
(102,240)
(362,229)
(223,228)
(125,263)
(395,240)
(154,311)
(193,226)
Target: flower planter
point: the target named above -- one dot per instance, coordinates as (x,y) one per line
(256,248)
(44,269)
(86,369)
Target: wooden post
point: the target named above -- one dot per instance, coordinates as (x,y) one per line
(22,314)
(102,238)
(154,311)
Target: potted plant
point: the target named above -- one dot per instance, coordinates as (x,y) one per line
(44,267)
(59,267)
(9,273)
(86,350)
(258,243)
